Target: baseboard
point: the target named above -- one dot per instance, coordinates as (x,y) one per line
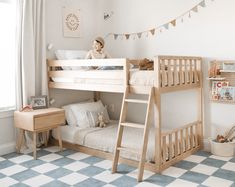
(7,148)
(206,145)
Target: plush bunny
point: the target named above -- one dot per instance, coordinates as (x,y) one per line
(101,121)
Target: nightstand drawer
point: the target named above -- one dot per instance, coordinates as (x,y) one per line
(46,121)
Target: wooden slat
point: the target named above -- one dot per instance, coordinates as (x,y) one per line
(169,73)
(195,72)
(134,125)
(176,80)
(164,149)
(190,72)
(196,136)
(170,147)
(91,87)
(88,62)
(181,141)
(191,137)
(136,101)
(186,72)
(94,74)
(163,73)
(181,76)
(186,139)
(176,143)
(127,149)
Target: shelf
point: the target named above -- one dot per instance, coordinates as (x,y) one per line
(216,78)
(223,101)
(227,71)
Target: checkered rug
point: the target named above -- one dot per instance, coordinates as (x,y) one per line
(71,168)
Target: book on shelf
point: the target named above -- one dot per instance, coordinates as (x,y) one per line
(217,87)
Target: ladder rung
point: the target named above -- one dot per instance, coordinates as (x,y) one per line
(134,125)
(136,101)
(135,151)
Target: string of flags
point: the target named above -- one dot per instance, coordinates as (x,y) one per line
(160,28)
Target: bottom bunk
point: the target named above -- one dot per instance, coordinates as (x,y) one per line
(176,144)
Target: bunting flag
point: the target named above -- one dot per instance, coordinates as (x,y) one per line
(160,28)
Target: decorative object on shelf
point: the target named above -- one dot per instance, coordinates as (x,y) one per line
(146,64)
(228,66)
(39,102)
(160,28)
(214,69)
(71,22)
(217,87)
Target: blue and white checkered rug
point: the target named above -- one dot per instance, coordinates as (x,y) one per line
(71,168)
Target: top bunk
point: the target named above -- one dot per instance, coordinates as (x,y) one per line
(170,73)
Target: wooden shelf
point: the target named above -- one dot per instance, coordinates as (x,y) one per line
(223,101)
(227,71)
(216,78)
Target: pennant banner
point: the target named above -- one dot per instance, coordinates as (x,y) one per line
(160,28)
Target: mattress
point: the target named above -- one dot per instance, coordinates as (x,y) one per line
(143,78)
(104,139)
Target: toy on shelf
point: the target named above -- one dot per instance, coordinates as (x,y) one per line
(214,70)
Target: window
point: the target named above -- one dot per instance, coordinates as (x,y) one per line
(7,54)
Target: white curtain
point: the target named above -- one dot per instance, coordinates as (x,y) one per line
(31,73)
(31,67)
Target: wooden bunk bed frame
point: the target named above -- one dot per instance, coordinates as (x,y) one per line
(173,73)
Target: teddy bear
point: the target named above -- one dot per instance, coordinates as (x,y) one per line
(146,64)
(101,120)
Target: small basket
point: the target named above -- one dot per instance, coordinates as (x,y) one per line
(222,149)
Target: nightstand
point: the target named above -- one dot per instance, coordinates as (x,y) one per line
(41,120)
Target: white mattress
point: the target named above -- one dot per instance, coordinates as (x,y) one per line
(104,139)
(143,78)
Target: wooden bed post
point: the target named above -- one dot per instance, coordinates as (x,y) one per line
(96,96)
(157,114)
(200,104)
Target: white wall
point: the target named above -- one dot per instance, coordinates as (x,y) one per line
(208,33)
(7,133)
(91,14)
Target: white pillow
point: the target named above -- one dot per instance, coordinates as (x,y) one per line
(68,55)
(83,109)
(71,120)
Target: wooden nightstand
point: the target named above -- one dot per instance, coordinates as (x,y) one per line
(38,121)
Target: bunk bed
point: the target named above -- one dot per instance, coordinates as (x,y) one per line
(170,74)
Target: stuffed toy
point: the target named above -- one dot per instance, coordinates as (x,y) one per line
(100,120)
(146,64)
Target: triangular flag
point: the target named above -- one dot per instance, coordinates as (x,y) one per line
(173,22)
(152,31)
(127,36)
(139,34)
(189,14)
(203,3)
(115,36)
(166,25)
(195,9)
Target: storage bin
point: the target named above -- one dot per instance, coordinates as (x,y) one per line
(222,149)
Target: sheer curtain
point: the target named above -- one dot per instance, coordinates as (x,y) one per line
(31,62)
(31,52)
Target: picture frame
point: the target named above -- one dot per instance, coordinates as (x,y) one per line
(38,102)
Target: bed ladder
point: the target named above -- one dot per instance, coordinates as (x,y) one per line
(145,127)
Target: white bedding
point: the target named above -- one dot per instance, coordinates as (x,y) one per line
(104,139)
(143,78)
